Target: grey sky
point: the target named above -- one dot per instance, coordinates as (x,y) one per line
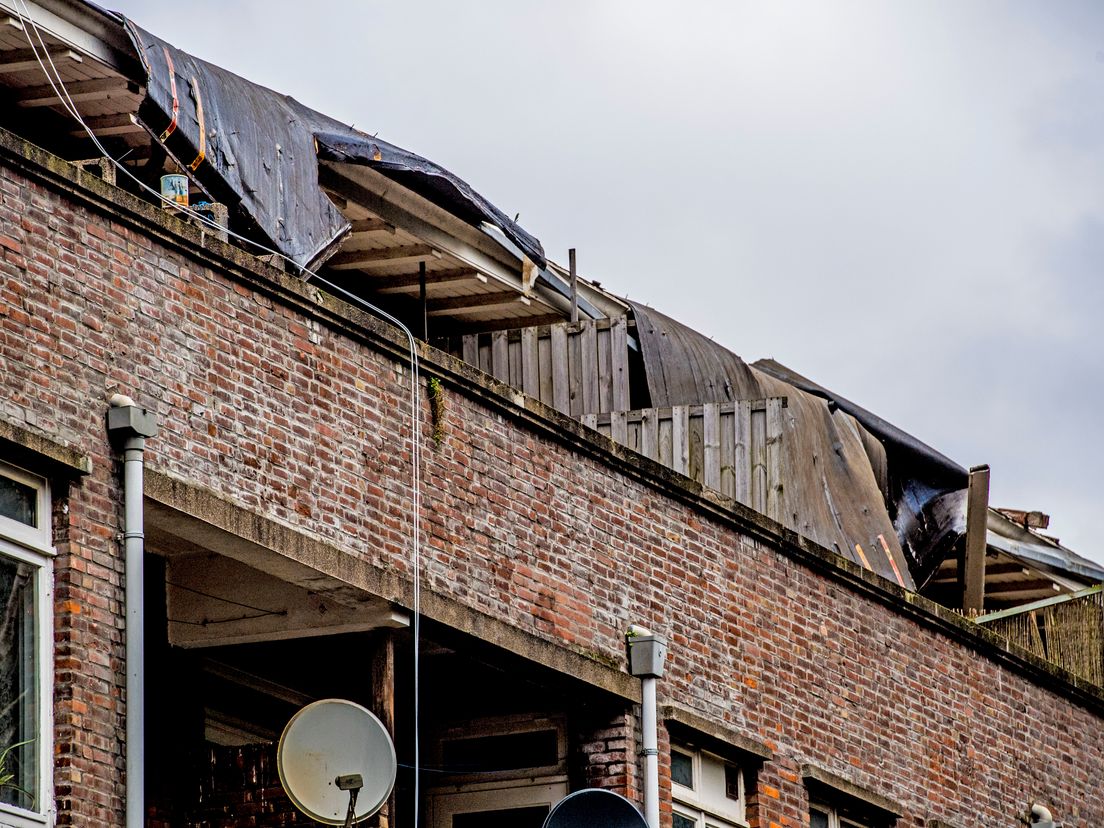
(903,201)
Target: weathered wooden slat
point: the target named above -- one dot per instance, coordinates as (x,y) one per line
(500,356)
(728,453)
(574,372)
(605,378)
(759,461)
(618,430)
(666,446)
(561,392)
(696,439)
(530,362)
(590,421)
(470,349)
(680,439)
(514,361)
(741,452)
(619,363)
(775,502)
(649,434)
(588,356)
(544,369)
(711,446)
(485,354)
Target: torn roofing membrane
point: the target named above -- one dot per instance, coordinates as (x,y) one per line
(253,147)
(834,470)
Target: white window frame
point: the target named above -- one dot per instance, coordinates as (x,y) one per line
(834,818)
(708,807)
(500,790)
(30,545)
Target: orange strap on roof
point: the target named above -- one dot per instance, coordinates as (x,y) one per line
(171,128)
(202,127)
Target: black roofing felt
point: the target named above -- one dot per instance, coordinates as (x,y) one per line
(260,150)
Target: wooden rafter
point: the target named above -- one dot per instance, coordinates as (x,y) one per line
(411,281)
(371,225)
(355,259)
(90,90)
(117,124)
(22,60)
(475,302)
(1017,590)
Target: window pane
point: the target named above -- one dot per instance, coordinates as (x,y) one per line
(18,696)
(682,770)
(732,782)
(18,501)
(681,821)
(818,819)
(531,817)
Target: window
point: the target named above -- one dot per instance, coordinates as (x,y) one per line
(26,636)
(824,816)
(504,772)
(707,791)
(836,802)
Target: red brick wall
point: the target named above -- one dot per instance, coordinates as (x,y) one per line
(294,419)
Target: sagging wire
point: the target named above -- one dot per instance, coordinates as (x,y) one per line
(59,88)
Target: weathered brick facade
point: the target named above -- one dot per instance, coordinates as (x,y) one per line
(295,409)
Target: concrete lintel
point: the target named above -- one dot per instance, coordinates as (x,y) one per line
(28,449)
(864,797)
(182,513)
(720,739)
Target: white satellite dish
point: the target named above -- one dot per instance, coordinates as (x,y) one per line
(336,762)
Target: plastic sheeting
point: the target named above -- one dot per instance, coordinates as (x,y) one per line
(257,149)
(851,479)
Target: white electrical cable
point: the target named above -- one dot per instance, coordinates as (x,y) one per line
(306,274)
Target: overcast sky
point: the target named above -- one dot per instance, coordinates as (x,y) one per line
(903,201)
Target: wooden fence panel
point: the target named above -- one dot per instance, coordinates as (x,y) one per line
(733,448)
(577,368)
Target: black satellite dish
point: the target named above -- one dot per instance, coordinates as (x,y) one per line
(594,808)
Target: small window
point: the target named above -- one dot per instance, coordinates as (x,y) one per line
(26,639)
(826,816)
(707,791)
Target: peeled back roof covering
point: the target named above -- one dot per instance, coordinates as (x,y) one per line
(262,150)
(831,491)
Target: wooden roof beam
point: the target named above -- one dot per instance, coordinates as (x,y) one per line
(371,225)
(23,60)
(356,259)
(412,281)
(949,576)
(1021,590)
(475,303)
(120,124)
(90,90)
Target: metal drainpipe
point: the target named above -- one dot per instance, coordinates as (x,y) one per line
(646,655)
(129,426)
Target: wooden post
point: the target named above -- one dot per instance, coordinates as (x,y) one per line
(574,286)
(973,563)
(422,298)
(383,705)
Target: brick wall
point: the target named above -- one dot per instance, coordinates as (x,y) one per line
(294,418)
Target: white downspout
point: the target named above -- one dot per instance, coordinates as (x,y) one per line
(646,655)
(651,751)
(129,426)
